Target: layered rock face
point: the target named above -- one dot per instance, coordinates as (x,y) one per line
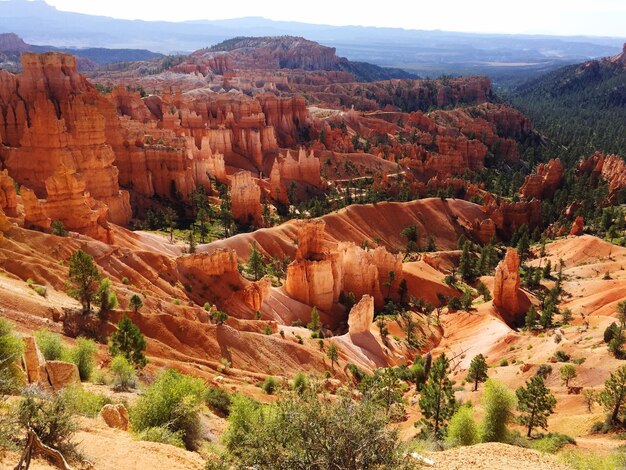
(509,216)
(50,117)
(544,182)
(578,226)
(321,272)
(361,316)
(246,199)
(305,169)
(8,194)
(611,169)
(506,289)
(69,202)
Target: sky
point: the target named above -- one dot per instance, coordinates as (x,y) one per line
(559,17)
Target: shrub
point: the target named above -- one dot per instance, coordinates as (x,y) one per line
(80,401)
(585,460)
(135,302)
(50,417)
(50,345)
(504,363)
(544,370)
(107,297)
(498,403)
(462,429)
(11,348)
(172,401)
(219,317)
(310,432)
(124,374)
(562,356)
(83,355)
(552,442)
(58,228)
(300,383)
(218,400)
(454,303)
(163,435)
(269,385)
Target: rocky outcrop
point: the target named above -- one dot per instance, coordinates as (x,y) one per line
(321,272)
(484,230)
(8,194)
(48,374)
(115,416)
(55,120)
(69,203)
(544,182)
(578,226)
(611,169)
(506,289)
(305,169)
(245,196)
(216,263)
(509,216)
(620,59)
(361,316)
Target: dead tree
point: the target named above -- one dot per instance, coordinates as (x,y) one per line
(33,445)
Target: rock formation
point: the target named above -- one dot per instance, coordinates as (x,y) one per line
(246,199)
(361,316)
(611,169)
(578,226)
(55,120)
(69,203)
(321,272)
(509,216)
(305,169)
(544,182)
(115,416)
(48,374)
(484,230)
(8,194)
(506,289)
(620,59)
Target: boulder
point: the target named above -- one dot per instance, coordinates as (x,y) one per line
(361,316)
(115,416)
(61,374)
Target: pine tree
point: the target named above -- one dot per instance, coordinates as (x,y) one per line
(135,302)
(106,296)
(83,279)
(255,262)
(333,354)
(477,371)
(531,318)
(466,264)
(129,342)
(170,218)
(437,398)
(613,397)
(568,372)
(536,403)
(315,324)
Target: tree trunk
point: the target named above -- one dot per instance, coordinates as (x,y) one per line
(476,385)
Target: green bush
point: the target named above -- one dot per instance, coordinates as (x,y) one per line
(80,401)
(124,374)
(50,345)
(551,443)
(11,348)
(83,355)
(163,435)
(498,404)
(462,428)
(269,385)
(172,401)
(300,383)
(504,363)
(50,417)
(218,400)
(585,460)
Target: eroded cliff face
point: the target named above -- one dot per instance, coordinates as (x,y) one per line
(245,196)
(322,271)
(304,168)
(8,194)
(544,182)
(611,169)
(50,116)
(509,216)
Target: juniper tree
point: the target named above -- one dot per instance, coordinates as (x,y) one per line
(477,371)
(536,403)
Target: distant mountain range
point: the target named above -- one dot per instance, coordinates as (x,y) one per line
(12,46)
(506,58)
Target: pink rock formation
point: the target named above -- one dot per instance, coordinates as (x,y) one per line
(216,263)
(578,226)
(506,289)
(8,194)
(115,416)
(544,182)
(305,169)
(611,169)
(246,199)
(69,203)
(55,374)
(485,230)
(55,120)
(509,216)
(320,272)
(361,316)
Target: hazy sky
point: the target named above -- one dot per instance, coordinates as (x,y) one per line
(566,17)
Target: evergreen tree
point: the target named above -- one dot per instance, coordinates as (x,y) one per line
(315,324)
(129,342)
(498,403)
(531,318)
(169,218)
(333,354)
(466,264)
(255,263)
(83,279)
(411,233)
(477,371)
(568,372)
(536,403)
(437,398)
(613,397)
(202,222)
(135,302)
(106,296)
